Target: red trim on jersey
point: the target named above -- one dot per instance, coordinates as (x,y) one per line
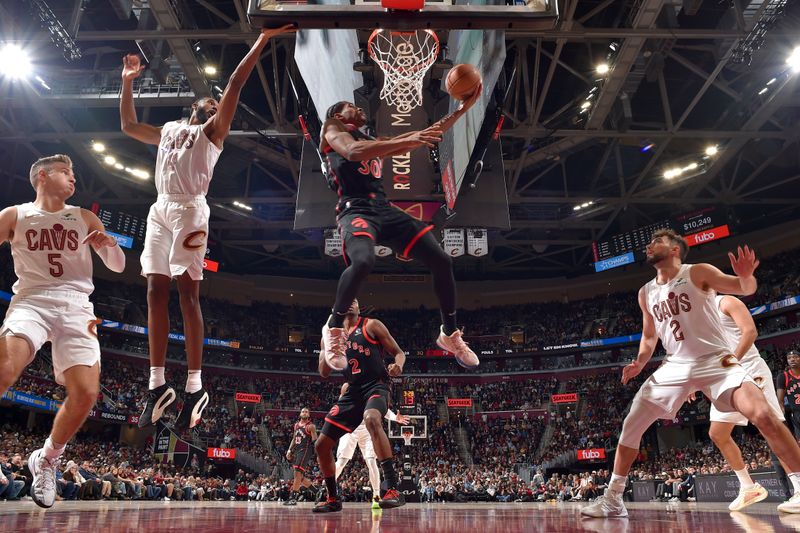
(362,234)
(417,237)
(792,374)
(366,335)
(327,149)
(374,396)
(337,424)
(355,326)
(785,380)
(300,468)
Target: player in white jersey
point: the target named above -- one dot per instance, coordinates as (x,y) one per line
(360,437)
(50,244)
(177,226)
(679,308)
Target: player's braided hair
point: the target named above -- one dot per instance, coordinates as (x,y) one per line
(335,108)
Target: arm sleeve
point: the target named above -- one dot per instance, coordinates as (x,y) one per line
(391,415)
(113,257)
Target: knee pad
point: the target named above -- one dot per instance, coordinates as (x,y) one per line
(641,416)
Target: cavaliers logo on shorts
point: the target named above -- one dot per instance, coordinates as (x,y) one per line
(92,326)
(194,240)
(729,361)
(334,411)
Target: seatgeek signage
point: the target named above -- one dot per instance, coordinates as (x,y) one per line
(570,397)
(614,262)
(222,453)
(591,454)
(248,397)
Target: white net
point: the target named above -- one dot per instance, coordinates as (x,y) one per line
(404,57)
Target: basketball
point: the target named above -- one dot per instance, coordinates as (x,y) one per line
(462,80)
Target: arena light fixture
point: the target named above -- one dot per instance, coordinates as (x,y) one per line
(240,205)
(210,70)
(586,104)
(712,150)
(98,147)
(119,166)
(794,59)
(602,68)
(141,174)
(762,91)
(15,63)
(110,160)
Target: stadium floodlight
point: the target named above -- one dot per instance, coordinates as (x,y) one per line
(712,150)
(110,160)
(794,59)
(210,70)
(15,63)
(602,68)
(98,147)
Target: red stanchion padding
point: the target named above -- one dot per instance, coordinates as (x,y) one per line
(403,5)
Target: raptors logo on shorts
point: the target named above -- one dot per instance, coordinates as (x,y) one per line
(359,223)
(334,411)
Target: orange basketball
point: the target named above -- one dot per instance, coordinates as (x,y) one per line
(462,80)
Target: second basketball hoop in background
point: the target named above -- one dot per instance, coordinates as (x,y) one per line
(462,81)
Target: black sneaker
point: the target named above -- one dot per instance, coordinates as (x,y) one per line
(193,405)
(330,505)
(391,499)
(290,501)
(158,400)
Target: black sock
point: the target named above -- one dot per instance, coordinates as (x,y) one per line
(336,320)
(389,473)
(449,322)
(330,483)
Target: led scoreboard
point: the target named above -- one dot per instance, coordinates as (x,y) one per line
(698,227)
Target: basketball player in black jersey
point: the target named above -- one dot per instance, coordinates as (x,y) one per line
(366,218)
(300,453)
(787,385)
(366,398)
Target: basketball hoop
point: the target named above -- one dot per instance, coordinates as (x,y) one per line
(407,436)
(404,57)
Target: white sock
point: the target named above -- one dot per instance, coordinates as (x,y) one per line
(794,477)
(53,449)
(193,381)
(156,377)
(617,484)
(745,481)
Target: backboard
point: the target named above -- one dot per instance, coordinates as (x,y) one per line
(418,424)
(442,15)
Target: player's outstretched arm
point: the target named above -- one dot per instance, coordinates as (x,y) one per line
(104,244)
(131,68)
(8,221)
(647,344)
(744,283)
(734,308)
(446,122)
(378,331)
(337,137)
(218,126)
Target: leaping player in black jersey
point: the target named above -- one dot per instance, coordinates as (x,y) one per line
(366,398)
(366,218)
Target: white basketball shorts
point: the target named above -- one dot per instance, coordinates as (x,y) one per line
(760,372)
(176,237)
(359,437)
(65,318)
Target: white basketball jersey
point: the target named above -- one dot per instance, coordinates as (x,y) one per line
(686,317)
(734,333)
(186,159)
(47,250)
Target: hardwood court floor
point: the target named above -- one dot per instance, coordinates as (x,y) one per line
(257,517)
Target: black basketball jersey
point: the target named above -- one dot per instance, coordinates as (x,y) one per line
(354,179)
(302,436)
(365,364)
(791,384)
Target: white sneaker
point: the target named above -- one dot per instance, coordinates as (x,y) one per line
(334,340)
(748,496)
(456,345)
(606,506)
(43,487)
(792,505)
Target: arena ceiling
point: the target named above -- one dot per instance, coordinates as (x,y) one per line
(685,76)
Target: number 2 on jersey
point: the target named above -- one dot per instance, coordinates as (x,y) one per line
(354,363)
(676,330)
